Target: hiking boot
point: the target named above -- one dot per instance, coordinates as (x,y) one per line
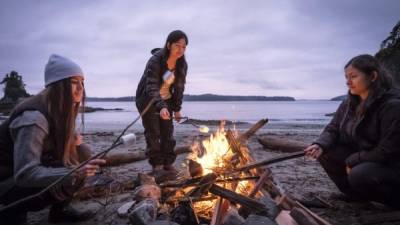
(63,212)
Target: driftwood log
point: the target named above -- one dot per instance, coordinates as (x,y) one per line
(282,144)
(117,159)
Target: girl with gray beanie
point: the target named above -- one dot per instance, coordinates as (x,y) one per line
(38,145)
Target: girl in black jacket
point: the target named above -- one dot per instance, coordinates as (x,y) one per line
(164,81)
(360,148)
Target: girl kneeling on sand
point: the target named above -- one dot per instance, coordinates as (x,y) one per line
(360,148)
(38,145)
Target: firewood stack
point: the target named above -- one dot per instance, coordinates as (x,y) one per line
(261,203)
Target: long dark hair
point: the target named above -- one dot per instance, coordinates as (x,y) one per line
(368,64)
(63,112)
(181,63)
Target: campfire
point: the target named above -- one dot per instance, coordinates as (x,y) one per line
(215,156)
(219,184)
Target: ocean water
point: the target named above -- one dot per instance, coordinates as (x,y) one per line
(278,112)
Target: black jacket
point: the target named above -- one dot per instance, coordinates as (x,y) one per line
(151,81)
(374,135)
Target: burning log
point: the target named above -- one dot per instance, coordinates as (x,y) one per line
(195,168)
(218,212)
(196,180)
(282,144)
(204,185)
(260,183)
(253,130)
(234,197)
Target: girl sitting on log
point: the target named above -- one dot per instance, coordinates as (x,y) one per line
(38,145)
(360,148)
(164,81)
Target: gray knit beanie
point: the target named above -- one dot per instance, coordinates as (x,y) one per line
(58,68)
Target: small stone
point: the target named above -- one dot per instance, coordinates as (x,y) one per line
(147,191)
(124,210)
(273,209)
(143,179)
(144,212)
(163,222)
(232,217)
(259,220)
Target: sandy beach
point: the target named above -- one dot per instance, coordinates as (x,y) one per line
(302,178)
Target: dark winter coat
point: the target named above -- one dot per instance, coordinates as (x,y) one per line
(373,134)
(151,81)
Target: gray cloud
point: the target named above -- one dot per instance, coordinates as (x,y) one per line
(237,47)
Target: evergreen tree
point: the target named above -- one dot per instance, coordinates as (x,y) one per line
(14,87)
(389,55)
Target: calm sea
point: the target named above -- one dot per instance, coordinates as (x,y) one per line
(282,112)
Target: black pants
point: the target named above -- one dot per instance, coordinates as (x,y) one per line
(159,137)
(368,180)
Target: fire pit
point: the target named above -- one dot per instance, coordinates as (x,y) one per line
(217,186)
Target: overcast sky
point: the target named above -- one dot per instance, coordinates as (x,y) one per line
(272,48)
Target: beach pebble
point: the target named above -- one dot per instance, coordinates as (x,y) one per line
(124,210)
(259,220)
(273,209)
(163,222)
(147,191)
(232,217)
(144,212)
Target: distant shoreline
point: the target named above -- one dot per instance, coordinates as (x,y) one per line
(205,97)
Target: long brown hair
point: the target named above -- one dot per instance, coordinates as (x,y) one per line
(368,64)
(63,112)
(181,63)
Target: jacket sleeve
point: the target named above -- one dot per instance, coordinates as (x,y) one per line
(330,134)
(153,84)
(388,148)
(178,92)
(28,132)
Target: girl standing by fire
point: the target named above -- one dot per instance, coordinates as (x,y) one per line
(164,81)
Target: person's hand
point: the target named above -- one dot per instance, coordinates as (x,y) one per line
(78,139)
(348,169)
(90,168)
(164,114)
(314,151)
(178,116)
